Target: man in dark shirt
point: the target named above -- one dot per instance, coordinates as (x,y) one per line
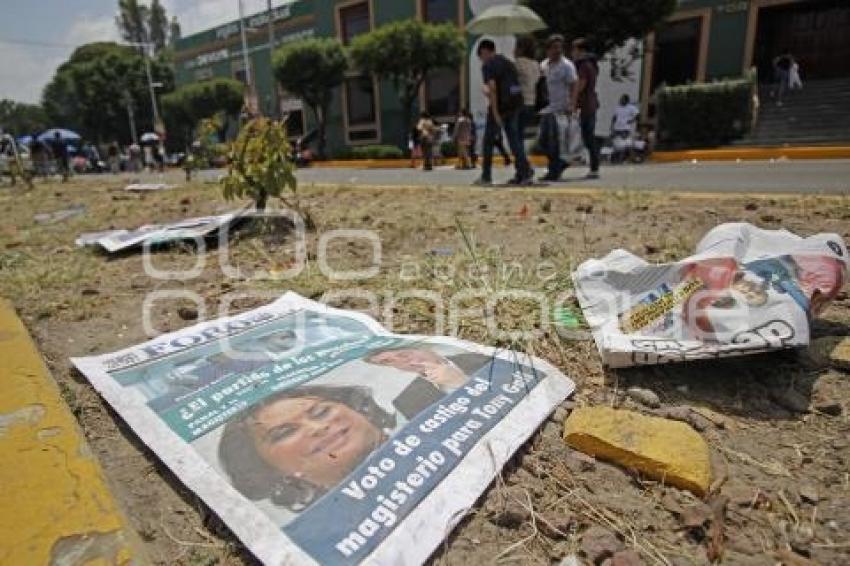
(60,154)
(586,101)
(504,94)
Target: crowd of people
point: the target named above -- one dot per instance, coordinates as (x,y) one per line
(560,90)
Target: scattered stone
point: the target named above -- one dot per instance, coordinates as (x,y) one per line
(598,543)
(546,207)
(579,462)
(751,206)
(626,558)
(791,399)
(662,449)
(482,206)
(185,201)
(555,527)
(645,397)
(560,415)
(541,220)
(809,493)
(187,313)
(650,249)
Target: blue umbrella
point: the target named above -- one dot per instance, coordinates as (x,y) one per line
(64,135)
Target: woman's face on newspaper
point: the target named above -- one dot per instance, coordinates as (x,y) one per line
(313,439)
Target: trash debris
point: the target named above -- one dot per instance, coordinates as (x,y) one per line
(746,290)
(147,187)
(192,228)
(60,215)
(400,429)
(666,450)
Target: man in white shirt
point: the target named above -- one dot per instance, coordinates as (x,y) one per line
(625,118)
(560,76)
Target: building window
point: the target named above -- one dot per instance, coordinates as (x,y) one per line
(439,11)
(353,21)
(442,92)
(676,58)
(361,113)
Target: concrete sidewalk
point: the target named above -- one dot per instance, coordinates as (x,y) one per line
(55,506)
(830,176)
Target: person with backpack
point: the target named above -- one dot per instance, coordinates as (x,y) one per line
(504,95)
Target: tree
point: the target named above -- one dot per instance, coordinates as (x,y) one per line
(132,21)
(174,31)
(89,92)
(184,108)
(405,52)
(20,118)
(311,69)
(157,26)
(605,25)
(259,164)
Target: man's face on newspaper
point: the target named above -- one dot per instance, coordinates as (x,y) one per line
(432,366)
(313,439)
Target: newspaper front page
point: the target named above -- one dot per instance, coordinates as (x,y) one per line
(321,438)
(117,240)
(746,290)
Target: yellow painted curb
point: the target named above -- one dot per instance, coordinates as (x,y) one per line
(753,153)
(536,160)
(55,507)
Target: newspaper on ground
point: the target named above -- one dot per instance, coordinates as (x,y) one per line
(321,438)
(154,234)
(746,290)
(146,187)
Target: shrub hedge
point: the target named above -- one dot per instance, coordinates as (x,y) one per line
(704,114)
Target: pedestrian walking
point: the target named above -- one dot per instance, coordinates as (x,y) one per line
(528,72)
(794,80)
(60,155)
(505,104)
(561,77)
(463,138)
(586,101)
(427,132)
(782,73)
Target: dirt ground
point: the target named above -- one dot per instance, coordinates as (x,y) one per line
(777,424)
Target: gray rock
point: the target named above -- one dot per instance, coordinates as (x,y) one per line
(643,396)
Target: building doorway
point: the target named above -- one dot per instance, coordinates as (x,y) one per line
(816,33)
(676,52)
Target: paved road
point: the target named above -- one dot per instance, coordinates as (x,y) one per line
(827,176)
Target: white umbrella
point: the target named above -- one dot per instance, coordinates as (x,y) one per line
(505,20)
(149,137)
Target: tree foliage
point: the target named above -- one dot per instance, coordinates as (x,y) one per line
(606,24)
(91,91)
(259,164)
(311,69)
(19,118)
(139,23)
(405,52)
(184,108)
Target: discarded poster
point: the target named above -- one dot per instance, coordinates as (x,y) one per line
(190,229)
(146,187)
(60,215)
(746,290)
(321,438)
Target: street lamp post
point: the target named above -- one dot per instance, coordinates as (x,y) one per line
(246,60)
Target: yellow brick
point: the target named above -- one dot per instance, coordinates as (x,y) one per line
(55,507)
(670,451)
